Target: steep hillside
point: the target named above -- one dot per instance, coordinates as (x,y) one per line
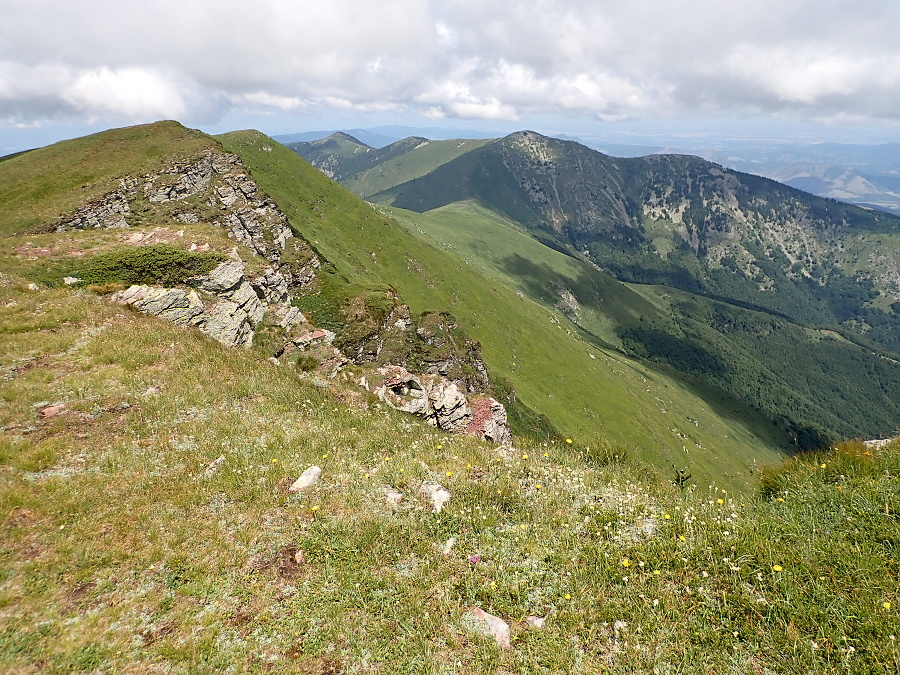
(812,376)
(782,341)
(599,396)
(687,223)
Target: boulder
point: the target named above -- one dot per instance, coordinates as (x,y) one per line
(224,277)
(440,402)
(173,304)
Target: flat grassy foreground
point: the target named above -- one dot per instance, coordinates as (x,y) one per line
(121,553)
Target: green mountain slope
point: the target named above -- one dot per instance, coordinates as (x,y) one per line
(778,366)
(686,223)
(599,397)
(743,245)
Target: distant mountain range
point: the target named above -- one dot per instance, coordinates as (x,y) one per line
(865,175)
(767,266)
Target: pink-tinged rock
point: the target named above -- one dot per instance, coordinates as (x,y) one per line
(393,496)
(307,478)
(488,624)
(53,410)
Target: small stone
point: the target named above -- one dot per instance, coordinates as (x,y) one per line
(53,410)
(307,478)
(33,287)
(536,622)
(68,281)
(212,467)
(488,624)
(393,496)
(448,547)
(152,390)
(438,495)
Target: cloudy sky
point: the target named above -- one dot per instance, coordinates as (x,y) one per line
(826,69)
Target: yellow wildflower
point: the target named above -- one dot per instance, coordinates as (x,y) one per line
(777,568)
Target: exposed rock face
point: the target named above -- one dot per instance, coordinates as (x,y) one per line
(230,312)
(217,179)
(107,213)
(439,402)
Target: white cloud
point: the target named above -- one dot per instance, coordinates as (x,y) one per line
(131,93)
(491,59)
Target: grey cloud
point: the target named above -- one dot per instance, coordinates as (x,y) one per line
(487,59)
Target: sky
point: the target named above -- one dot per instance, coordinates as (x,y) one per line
(635,69)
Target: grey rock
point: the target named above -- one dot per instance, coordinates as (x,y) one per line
(246,298)
(307,478)
(173,304)
(228,324)
(69,281)
(224,277)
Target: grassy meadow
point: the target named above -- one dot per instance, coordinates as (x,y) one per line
(123,552)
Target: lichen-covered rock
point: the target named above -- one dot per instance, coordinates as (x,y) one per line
(173,304)
(439,402)
(227,323)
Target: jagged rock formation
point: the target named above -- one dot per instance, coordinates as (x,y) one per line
(225,304)
(439,402)
(233,307)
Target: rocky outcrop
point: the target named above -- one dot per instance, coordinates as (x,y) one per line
(223,304)
(106,213)
(439,402)
(233,307)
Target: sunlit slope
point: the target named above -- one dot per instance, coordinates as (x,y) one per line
(418,160)
(595,396)
(38,186)
(813,377)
